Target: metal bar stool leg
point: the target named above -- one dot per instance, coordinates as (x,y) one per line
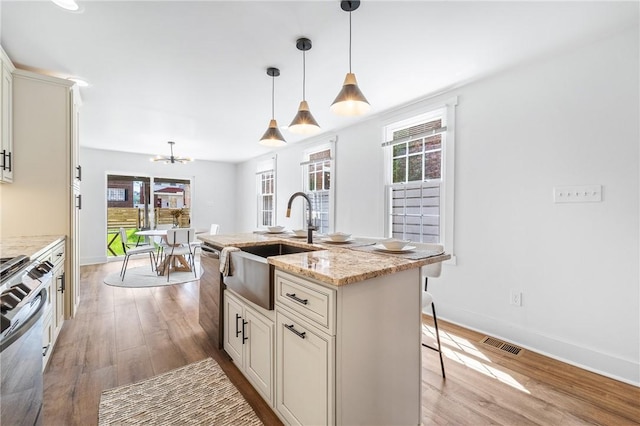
(435,322)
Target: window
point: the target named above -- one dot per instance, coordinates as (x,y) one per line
(116,194)
(420,177)
(266,193)
(318,185)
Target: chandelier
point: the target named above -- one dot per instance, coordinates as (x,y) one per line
(171,159)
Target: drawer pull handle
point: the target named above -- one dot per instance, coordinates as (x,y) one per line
(45,349)
(296,332)
(297,299)
(244,338)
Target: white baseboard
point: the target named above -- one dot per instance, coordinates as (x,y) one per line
(609,365)
(92,260)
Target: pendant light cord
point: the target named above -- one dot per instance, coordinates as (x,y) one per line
(273,92)
(304,75)
(349,42)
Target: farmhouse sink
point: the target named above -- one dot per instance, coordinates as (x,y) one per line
(252,276)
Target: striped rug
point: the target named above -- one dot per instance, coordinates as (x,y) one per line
(196,394)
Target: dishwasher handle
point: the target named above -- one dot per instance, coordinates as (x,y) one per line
(209,251)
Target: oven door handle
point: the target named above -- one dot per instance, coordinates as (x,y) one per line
(27,323)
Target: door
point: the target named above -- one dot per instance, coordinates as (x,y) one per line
(233,329)
(305,372)
(59,287)
(258,358)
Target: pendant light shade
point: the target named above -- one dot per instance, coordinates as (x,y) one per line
(350,100)
(272,137)
(303,122)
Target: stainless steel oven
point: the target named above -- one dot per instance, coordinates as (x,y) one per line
(23,298)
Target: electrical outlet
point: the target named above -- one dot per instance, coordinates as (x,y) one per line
(516,298)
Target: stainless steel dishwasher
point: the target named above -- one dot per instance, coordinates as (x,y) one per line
(23,298)
(211,288)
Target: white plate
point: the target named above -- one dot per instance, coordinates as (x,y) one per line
(402,250)
(329,240)
(298,236)
(276,232)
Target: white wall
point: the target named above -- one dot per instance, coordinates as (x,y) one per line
(213,193)
(571,119)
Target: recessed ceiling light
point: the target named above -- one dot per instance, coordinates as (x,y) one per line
(67,4)
(80,82)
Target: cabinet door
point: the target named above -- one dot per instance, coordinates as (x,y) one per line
(258,353)
(73,277)
(75,138)
(58,288)
(305,372)
(6,119)
(233,328)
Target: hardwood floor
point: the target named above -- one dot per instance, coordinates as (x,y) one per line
(120,336)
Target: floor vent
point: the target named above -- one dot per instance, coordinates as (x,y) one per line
(502,346)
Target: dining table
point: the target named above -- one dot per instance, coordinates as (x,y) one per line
(176,263)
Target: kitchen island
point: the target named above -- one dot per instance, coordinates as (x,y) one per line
(343,342)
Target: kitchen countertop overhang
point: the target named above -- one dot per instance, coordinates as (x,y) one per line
(335,266)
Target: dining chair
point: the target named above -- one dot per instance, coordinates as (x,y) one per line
(212,231)
(178,243)
(432,271)
(130,251)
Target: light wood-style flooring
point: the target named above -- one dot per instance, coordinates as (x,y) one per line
(120,336)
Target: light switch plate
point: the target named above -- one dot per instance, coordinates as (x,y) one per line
(577,194)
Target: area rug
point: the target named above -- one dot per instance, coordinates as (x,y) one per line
(143,276)
(196,394)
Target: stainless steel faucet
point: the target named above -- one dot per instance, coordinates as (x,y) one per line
(310,227)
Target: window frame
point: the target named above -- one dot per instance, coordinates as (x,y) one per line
(412,116)
(329,146)
(264,168)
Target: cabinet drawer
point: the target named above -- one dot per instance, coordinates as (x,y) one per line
(310,300)
(57,253)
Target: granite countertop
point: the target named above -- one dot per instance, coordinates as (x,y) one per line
(31,246)
(331,264)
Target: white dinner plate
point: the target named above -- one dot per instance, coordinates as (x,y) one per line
(329,240)
(402,250)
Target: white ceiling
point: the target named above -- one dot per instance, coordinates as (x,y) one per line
(195,72)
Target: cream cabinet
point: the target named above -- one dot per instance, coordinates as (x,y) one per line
(348,355)
(45,116)
(7,159)
(305,377)
(249,339)
(54,309)
(58,287)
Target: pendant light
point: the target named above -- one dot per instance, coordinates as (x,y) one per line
(350,100)
(272,137)
(303,122)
